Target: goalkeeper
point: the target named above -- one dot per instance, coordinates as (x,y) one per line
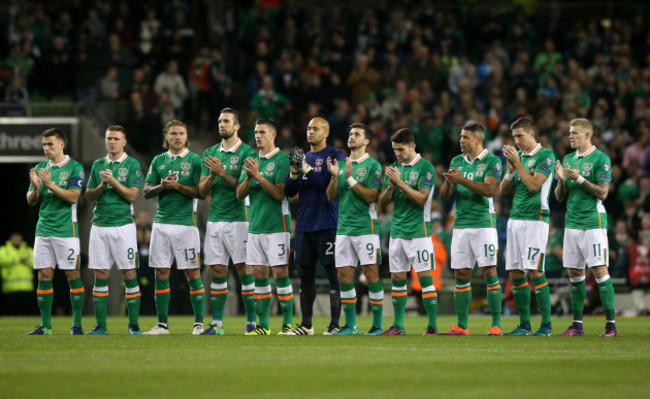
(315,223)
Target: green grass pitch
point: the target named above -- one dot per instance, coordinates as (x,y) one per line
(235,366)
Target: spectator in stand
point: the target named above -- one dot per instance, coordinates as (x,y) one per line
(172,82)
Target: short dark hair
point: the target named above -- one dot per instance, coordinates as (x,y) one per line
(403,136)
(523,123)
(269,122)
(366,130)
(116,128)
(476,128)
(169,125)
(56,132)
(231,111)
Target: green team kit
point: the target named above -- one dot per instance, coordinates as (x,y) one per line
(58,217)
(111,209)
(473,210)
(409,219)
(174,207)
(224,206)
(356,216)
(267,214)
(533,206)
(584,211)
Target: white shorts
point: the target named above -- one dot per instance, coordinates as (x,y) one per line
(474,246)
(526,248)
(589,247)
(169,241)
(110,245)
(53,251)
(352,250)
(225,240)
(407,252)
(268,249)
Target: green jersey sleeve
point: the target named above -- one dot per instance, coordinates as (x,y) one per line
(283,170)
(427,178)
(495,168)
(94,173)
(135,175)
(152,175)
(372,179)
(77,178)
(604,169)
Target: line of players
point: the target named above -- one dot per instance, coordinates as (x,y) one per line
(240,181)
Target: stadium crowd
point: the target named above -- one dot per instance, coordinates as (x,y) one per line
(425,67)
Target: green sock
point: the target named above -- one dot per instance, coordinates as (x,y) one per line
(162,300)
(494,299)
(77,294)
(606,291)
(197,296)
(263,301)
(285,297)
(462,300)
(133,299)
(430,300)
(44,298)
(100,300)
(349,302)
(543,296)
(521,293)
(399,302)
(578,295)
(218,296)
(376,297)
(247,296)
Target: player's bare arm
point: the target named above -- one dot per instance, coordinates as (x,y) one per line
(532,182)
(33,195)
(150,190)
(243,188)
(560,189)
(419,196)
(598,191)
(506,184)
(106,176)
(486,188)
(215,166)
(67,194)
(170,183)
(276,191)
(332,190)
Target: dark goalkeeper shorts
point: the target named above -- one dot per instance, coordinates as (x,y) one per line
(310,247)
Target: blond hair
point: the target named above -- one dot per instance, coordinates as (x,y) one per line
(582,123)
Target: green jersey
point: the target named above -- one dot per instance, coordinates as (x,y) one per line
(534,206)
(266,214)
(473,210)
(57,217)
(224,206)
(356,216)
(583,210)
(174,207)
(111,209)
(409,219)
